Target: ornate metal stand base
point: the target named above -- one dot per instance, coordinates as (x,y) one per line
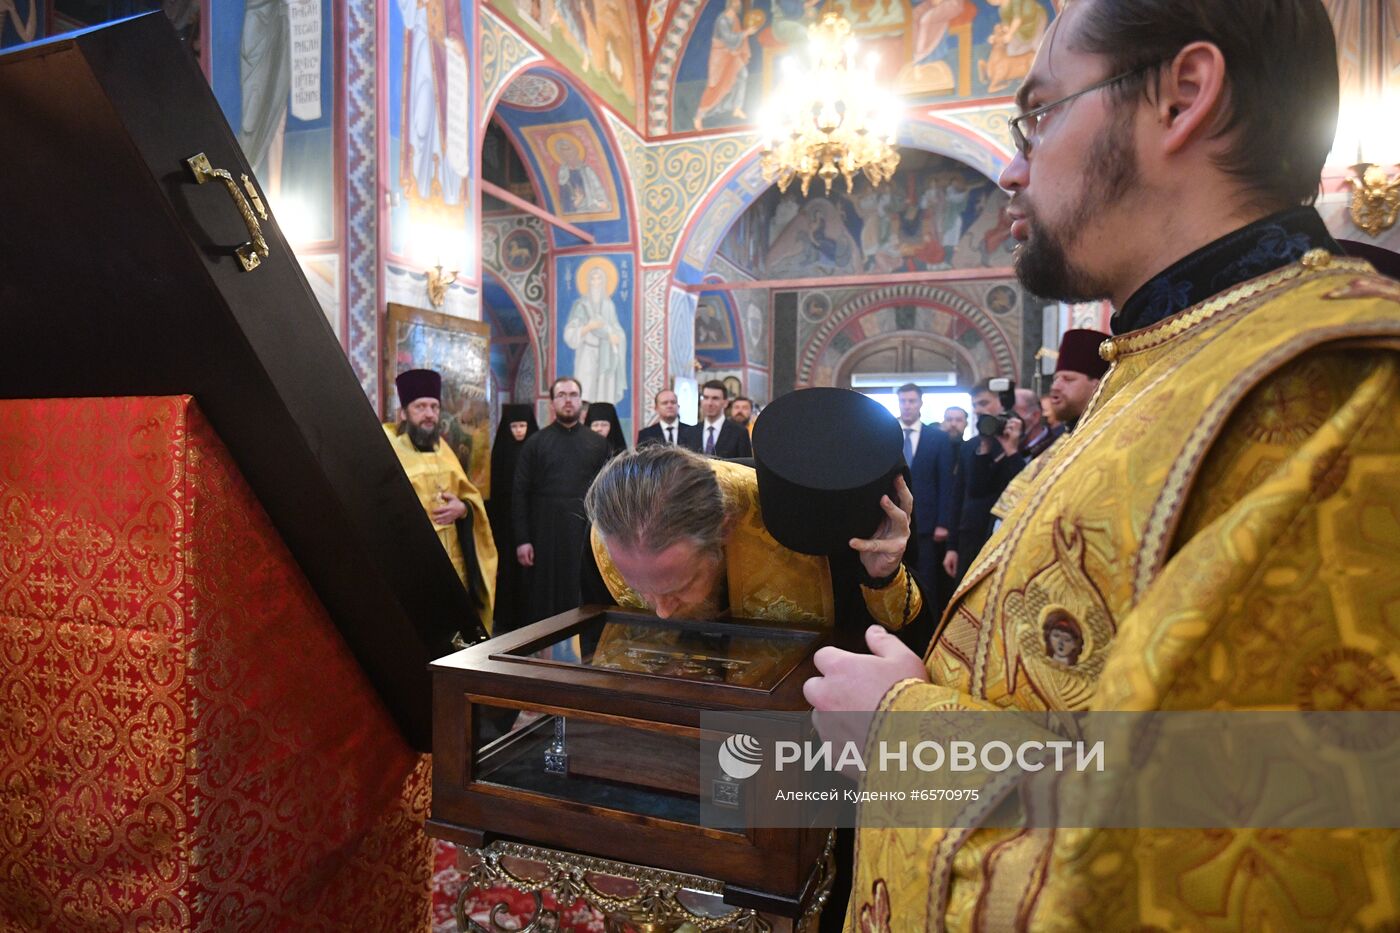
(633,898)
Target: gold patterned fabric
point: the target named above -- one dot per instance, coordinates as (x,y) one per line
(1222,531)
(186,742)
(766,580)
(439,471)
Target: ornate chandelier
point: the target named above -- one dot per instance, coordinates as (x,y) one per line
(828,117)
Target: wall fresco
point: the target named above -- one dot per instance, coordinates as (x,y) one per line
(928,50)
(596,40)
(934,214)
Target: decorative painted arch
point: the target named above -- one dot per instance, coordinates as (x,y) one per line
(517,318)
(960,353)
(576,104)
(503,56)
(665,63)
(952,316)
(534,113)
(731,195)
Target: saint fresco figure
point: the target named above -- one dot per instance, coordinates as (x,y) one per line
(576,16)
(581,191)
(790,20)
(595,335)
(728,77)
(709,327)
(425,169)
(265,80)
(816,241)
(1014,41)
(929,21)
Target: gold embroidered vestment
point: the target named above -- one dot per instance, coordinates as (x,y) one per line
(1222,531)
(766,580)
(439,471)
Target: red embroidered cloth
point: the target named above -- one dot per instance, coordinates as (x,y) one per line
(185,741)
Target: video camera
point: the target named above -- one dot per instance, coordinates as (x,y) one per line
(994,425)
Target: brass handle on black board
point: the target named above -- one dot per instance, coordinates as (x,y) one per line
(250,254)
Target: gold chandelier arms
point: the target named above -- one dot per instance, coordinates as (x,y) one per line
(835,121)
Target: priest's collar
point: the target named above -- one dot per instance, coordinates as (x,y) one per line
(1263,246)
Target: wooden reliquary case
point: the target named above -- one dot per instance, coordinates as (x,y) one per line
(583,732)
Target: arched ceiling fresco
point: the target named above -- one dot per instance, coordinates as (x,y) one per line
(716,63)
(570,153)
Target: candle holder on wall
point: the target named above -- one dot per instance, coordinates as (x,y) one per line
(1375,197)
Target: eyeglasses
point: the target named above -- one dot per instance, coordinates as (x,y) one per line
(1025,128)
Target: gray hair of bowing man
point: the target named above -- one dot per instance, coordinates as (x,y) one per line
(657,496)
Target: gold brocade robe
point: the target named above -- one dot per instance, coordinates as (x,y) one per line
(1222,531)
(438,472)
(766,580)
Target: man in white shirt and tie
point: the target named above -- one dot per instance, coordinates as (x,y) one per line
(720,437)
(930,456)
(669,429)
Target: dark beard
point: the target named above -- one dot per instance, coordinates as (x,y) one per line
(424,439)
(568,421)
(1042,263)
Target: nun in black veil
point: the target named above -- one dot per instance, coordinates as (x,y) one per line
(517,423)
(602,418)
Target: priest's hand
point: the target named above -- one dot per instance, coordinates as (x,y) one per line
(856,683)
(882,554)
(526,555)
(450,509)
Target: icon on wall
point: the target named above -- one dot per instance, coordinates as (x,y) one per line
(520,250)
(713,330)
(574,170)
(595,334)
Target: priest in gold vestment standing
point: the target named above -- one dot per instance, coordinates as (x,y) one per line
(1221,531)
(451,502)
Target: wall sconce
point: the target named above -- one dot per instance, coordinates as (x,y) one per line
(438,282)
(1375,197)
(1366,148)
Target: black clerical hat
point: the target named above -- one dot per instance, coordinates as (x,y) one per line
(601,411)
(414,384)
(518,412)
(824,458)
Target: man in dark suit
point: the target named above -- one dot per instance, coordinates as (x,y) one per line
(929,453)
(954,425)
(987,464)
(669,429)
(720,437)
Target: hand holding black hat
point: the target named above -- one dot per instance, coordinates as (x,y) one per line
(827,460)
(882,554)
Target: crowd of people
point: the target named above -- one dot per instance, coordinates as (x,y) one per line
(537,522)
(519,553)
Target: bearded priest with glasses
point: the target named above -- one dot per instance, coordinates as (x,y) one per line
(1220,531)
